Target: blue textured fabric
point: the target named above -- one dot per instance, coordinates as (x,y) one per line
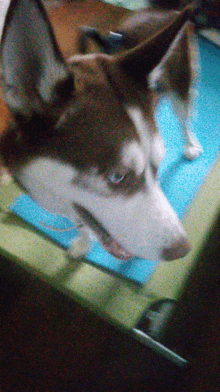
(180,179)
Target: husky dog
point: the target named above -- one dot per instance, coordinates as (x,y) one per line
(83,141)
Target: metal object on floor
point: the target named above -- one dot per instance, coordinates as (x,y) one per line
(151,326)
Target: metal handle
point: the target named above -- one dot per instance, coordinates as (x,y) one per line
(159,348)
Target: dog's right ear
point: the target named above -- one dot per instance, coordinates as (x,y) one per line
(36,79)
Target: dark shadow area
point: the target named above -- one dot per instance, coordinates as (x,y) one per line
(50,343)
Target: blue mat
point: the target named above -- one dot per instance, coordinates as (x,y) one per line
(180,179)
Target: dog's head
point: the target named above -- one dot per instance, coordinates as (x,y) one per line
(83,139)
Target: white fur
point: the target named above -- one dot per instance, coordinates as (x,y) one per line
(157,150)
(155,77)
(93,182)
(154,149)
(143,223)
(50,184)
(141,127)
(193,148)
(133,157)
(81,245)
(4,4)
(79,57)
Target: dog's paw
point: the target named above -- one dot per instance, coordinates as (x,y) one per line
(80,245)
(193,149)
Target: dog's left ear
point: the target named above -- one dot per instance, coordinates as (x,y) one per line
(35,76)
(139,62)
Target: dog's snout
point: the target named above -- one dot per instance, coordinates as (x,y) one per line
(177,250)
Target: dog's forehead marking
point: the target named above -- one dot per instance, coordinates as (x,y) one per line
(137,117)
(133,157)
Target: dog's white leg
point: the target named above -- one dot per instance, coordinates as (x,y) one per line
(193,148)
(80,245)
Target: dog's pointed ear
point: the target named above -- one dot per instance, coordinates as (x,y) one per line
(139,62)
(35,76)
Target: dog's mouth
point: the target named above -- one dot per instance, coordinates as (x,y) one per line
(104,237)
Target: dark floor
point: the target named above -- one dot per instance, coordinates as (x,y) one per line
(51,344)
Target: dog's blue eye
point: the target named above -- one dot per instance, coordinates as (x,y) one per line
(116,177)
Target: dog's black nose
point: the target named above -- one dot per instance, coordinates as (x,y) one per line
(178,250)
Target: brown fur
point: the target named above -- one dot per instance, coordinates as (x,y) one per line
(72,119)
